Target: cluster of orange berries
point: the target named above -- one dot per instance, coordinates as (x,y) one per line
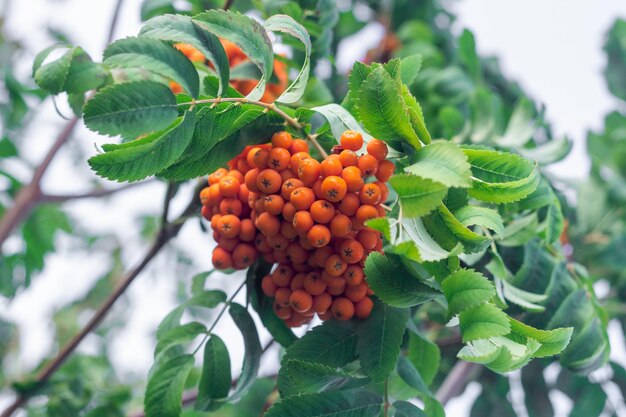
(236,57)
(308,217)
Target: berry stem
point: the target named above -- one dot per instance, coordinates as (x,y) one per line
(268,106)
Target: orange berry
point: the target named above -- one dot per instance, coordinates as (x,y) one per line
(370,194)
(244,193)
(279,159)
(302,198)
(247,231)
(222,259)
(352,176)
(235,174)
(351,251)
(228,243)
(273,204)
(231,206)
(363,308)
(259,158)
(331,166)
(297,282)
(335,266)
(282,140)
(229,186)
(281,296)
(204,196)
(287,174)
(206,212)
(300,301)
(215,221)
(244,255)
(338,289)
(368,238)
(259,206)
(296,253)
(327,315)
(334,188)
(351,140)
(322,211)
(349,204)
(378,149)
(288,186)
(304,242)
(322,302)
(356,293)
(348,158)
(317,189)
(314,284)
(384,191)
(282,275)
(278,242)
(268,286)
(366,212)
(318,236)
(309,171)
(250,180)
(342,309)
(368,165)
(215,177)
(269,257)
(340,225)
(300,267)
(353,275)
(386,169)
(268,225)
(381,210)
(243,166)
(298,145)
(321,255)
(287,230)
(280,256)
(297,158)
(282,311)
(302,221)
(229,226)
(268,181)
(289,212)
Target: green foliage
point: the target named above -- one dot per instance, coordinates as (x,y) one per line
(341,404)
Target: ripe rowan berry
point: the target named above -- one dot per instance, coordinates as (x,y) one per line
(282,275)
(279,159)
(247,231)
(288,186)
(351,251)
(268,225)
(322,302)
(322,211)
(302,221)
(215,177)
(334,188)
(342,309)
(289,211)
(297,158)
(235,174)
(309,171)
(282,140)
(356,293)
(340,225)
(268,286)
(385,170)
(363,308)
(287,230)
(231,206)
(368,165)
(297,282)
(368,238)
(352,176)
(296,253)
(366,212)
(318,236)
(331,166)
(353,275)
(370,194)
(335,265)
(221,258)
(273,204)
(228,243)
(300,301)
(298,145)
(282,311)
(229,225)
(229,186)
(302,198)
(351,140)
(278,242)
(378,149)
(348,158)
(349,204)
(250,180)
(244,255)
(314,284)
(337,289)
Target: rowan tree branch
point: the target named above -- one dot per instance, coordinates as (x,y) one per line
(165,234)
(456,380)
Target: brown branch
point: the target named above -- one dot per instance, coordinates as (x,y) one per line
(228,4)
(456,380)
(164,236)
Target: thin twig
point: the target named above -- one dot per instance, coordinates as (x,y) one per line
(268,106)
(114,19)
(456,380)
(163,237)
(228,4)
(101,192)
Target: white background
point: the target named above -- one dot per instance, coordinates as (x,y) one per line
(552,47)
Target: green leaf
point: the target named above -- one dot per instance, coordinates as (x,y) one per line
(428,248)
(393,283)
(550,152)
(74,72)
(552,341)
(554,221)
(284,23)
(521,125)
(416,115)
(332,344)
(253,350)
(165,386)
(412,377)
(467,54)
(500,177)
(216,378)
(379,339)
(382,111)
(443,162)
(179,335)
(465,289)
(499,354)
(406,409)
(206,299)
(482,322)
(349,403)
(424,355)
(616,53)
(136,160)
(131,109)
(339,119)
(409,68)
(155,56)
(247,34)
(179,28)
(480,216)
(297,377)
(449,231)
(418,196)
